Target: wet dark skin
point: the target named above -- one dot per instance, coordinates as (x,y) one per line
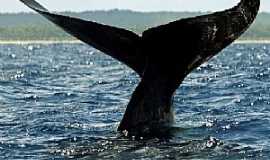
(163,56)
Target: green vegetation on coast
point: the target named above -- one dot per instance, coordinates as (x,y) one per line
(30,26)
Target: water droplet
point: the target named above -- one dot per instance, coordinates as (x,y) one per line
(239,54)
(240,85)
(212,142)
(91,52)
(209,124)
(30,48)
(238,100)
(227,67)
(13,56)
(35,96)
(125,132)
(22,145)
(226,127)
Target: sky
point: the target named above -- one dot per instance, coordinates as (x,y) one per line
(11,6)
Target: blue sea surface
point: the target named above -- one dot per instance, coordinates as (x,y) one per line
(64,101)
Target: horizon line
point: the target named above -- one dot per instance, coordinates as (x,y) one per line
(117,9)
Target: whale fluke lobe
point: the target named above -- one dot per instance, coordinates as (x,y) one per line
(120,44)
(163,56)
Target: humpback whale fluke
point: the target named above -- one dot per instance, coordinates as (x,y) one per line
(163,56)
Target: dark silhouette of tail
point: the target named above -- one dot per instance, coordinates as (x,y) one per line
(163,56)
(120,44)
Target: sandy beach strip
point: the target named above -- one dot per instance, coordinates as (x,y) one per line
(252,41)
(40,42)
(21,42)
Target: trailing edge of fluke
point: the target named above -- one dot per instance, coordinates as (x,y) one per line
(163,56)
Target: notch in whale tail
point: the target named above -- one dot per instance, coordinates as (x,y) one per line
(163,56)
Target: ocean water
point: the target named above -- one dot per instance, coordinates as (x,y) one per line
(64,101)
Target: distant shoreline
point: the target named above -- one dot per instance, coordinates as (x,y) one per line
(22,42)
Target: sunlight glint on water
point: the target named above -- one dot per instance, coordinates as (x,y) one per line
(65,101)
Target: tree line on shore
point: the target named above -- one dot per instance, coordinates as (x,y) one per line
(31,26)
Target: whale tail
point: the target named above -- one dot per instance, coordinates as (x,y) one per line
(163,56)
(118,43)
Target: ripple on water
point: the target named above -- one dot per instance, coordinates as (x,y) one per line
(62,101)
